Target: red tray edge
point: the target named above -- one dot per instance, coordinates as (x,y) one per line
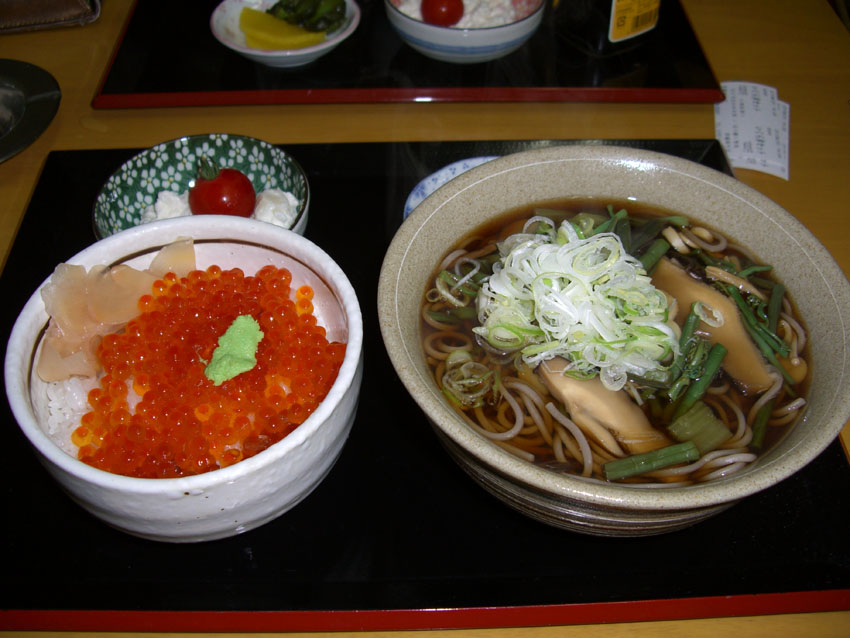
(419,619)
(373,96)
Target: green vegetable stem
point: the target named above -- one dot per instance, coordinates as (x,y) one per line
(697,389)
(651,461)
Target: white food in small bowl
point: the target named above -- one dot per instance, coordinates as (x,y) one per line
(273,206)
(482,36)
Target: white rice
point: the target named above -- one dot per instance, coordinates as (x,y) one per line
(67,402)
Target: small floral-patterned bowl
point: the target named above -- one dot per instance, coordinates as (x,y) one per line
(173,166)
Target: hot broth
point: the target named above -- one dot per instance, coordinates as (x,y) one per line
(615,341)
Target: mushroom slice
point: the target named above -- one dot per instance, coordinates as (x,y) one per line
(610,418)
(743,362)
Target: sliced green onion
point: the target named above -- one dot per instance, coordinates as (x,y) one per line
(651,461)
(446,294)
(708,315)
(468,288)
(504,336)
(588,295)
(585,222)
(467,382)
(458,357)
(540,347)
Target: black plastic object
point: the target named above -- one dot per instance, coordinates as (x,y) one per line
(29,99)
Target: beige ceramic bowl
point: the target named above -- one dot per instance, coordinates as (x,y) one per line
(812,277)
(245,495)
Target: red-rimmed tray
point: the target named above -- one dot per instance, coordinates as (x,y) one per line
(397,536)
(167,56)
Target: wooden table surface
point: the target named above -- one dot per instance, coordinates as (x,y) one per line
(799,47)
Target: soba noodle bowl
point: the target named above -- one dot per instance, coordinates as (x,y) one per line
(616,345)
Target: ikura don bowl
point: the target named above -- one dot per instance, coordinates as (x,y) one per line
(813,279)
(251,492)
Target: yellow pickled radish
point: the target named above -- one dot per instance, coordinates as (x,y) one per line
(264,31)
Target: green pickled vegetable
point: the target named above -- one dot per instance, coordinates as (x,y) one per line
(312,15)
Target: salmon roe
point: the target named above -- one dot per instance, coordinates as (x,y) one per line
(155,414)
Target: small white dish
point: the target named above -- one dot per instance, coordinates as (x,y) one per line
(224,24)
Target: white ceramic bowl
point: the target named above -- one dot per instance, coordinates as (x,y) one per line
(247,494)
(814,281)
(173,166)
(467,46)
(224,23)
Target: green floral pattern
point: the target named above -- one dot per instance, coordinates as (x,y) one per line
(173,166)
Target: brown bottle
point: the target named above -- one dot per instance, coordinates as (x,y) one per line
(606,27)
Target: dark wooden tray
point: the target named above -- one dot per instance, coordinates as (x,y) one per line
(168,56)
(397,536)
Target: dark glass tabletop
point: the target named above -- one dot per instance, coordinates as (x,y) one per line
(169,57)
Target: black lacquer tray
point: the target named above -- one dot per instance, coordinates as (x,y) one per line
(168,56)
(396,536)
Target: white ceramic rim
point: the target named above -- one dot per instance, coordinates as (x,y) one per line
(303,205)
(352,13)
(423,390)
(142,238)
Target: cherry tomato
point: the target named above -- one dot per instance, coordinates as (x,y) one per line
(443,13)
(223,191)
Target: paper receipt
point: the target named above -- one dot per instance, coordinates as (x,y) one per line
(752,125)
